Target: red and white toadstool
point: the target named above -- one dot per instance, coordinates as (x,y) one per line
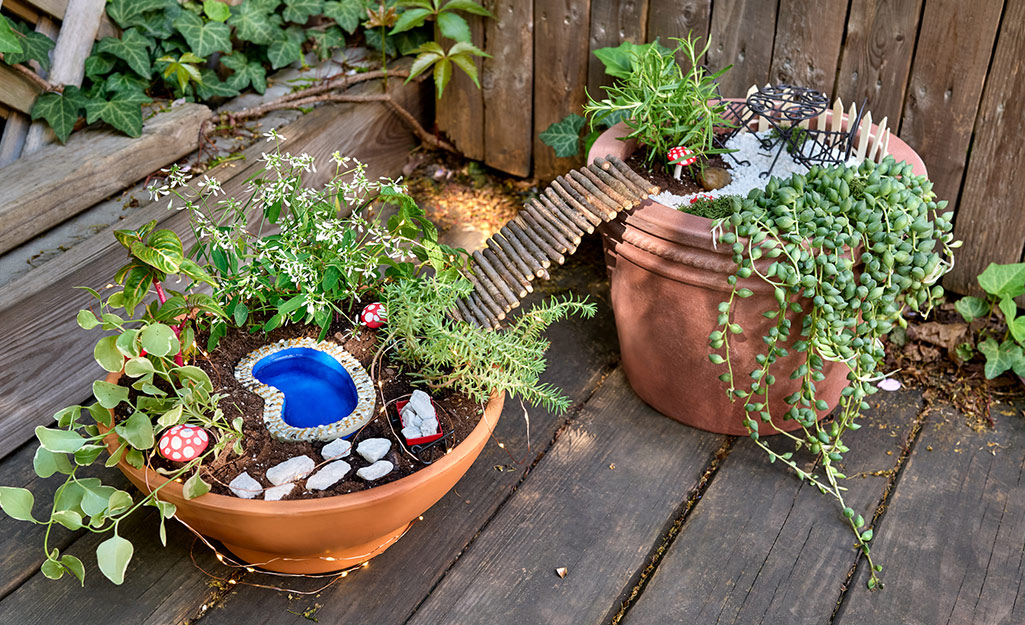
(374,315)
(680,153)
(182,443)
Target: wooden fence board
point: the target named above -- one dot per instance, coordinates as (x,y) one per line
(34,9)
(42,304)
(762,547)
(461,110)
(990,219)
(612,23)
(507,85)
(16,91)
(954,529)
(748,48)
(673,18)
(954,46)
(877,54)
(602,532)
(807,45)
(560,55)
(45,189)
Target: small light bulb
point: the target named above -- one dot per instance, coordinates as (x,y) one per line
(501,445)
(421,517)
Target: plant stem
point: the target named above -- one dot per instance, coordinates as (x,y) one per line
(178,360)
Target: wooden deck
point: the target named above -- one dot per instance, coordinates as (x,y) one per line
(655,522)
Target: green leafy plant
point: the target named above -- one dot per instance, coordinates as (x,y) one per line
(712,208)
(151,350)
(447,24)
(848,250)
(1002,283)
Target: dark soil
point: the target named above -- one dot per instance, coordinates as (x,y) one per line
(457,414)
(662,176)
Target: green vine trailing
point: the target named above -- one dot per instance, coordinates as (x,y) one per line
(202,51)
(807,226)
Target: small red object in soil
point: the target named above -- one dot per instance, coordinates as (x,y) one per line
(701,196)
(374,315)
(423,440)
(679,152)
(182,443)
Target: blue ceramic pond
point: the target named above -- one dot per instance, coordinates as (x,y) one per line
(317,388)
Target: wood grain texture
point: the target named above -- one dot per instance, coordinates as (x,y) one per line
(678,18)
(16,91)
(954,529)
(877,54)
(507,86)
(460,112)
(13,139)
(57,9)
(742,34)
(577,511)
(42,304)
(612,23)
(955,42)
(992,194)
(396,582)
(806,50)
(763,548)
(560,62)
(44,189)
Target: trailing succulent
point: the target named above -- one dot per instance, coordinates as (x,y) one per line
(850,249)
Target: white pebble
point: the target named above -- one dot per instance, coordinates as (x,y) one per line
(409,432)
(290,470)
(245,486)
(375,471)
(373,449)
(275,493)
(338,448)
(429,427)
(421,404)
(328,475)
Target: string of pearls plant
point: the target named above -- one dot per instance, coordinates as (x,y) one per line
(850,249)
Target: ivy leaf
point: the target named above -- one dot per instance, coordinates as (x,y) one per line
(1003,280)
(182,69)
(113,556)
(373,39)
(454,27)
(412,18)
(133,47)
(300,11)
(971,308)
(203,38)
(216,11)
(287,48)
(123,111)
(246,73)
(212,86)
(127,13)
(10,43)
(60,110)
(253,23)
(1002,357)
(470,6)
(618,60)
(35,47)
(346,13)
(326,41)
(118,82)
(159,24)
(564,136)
(97,65)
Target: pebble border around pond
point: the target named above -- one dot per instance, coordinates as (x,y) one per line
(274,400)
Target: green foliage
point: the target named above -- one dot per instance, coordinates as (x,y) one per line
(620,61)
(448,24)
(714,208)
(35,46)
(10,43)
(133,48)
(204,37)
(122,111)
(60,110)
(245,73)
(346,13)
(564,136)
(835,308)
(1002,283)
(431,54)
(472,360)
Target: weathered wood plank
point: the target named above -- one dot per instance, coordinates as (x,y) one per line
(581,508)
(877,54)
(460,112)
(507,85)
(673,18)
(16,129)
(741,33)
(33,10)
(560,56)
(954,45)
(612,23)
(397,581)
(954,529)
(42,304)
(44,189)
(991,193)
(762,547)
(16,91)
(807,45)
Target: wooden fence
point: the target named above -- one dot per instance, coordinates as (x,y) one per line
(948,74)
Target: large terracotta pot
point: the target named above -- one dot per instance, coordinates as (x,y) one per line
(667,280)
(319,535)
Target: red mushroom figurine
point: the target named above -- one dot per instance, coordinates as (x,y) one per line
(182,443)
(374,315)
(678,153)
(701,196)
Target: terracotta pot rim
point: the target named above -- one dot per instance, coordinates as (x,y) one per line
(364,498)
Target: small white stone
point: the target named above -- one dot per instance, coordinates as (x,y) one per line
(429,427)
(375,471)
(290,470)
(373,449)
(328,475)
(245,486)
(410,418)
(421,403)
(411,432)
(338,448)
(275,493)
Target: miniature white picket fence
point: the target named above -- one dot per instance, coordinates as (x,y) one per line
(869,143)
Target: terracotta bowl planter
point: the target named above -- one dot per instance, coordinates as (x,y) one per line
(667,280)
(319,535)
